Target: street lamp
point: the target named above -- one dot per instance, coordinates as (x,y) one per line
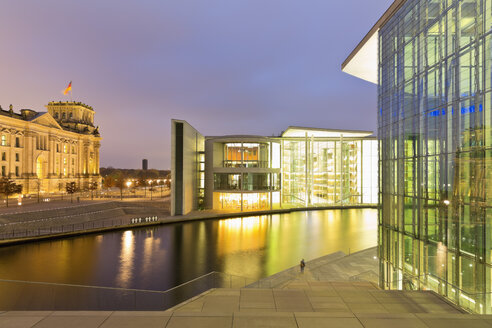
(150,183)
(128,184)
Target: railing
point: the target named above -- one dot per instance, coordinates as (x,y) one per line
(71,228)
(42,296)
(260,164)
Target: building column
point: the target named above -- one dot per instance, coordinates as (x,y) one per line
(51,157)
(97,145)
(85,169)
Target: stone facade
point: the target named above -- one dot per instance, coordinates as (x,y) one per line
(43,151)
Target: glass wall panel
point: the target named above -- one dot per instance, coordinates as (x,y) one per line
(435,137)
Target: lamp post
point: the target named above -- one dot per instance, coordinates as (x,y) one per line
(128,184)
(159,183)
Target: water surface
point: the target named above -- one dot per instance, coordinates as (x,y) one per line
(164,256)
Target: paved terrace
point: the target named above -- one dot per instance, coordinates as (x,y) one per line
(317,304)
(303,300)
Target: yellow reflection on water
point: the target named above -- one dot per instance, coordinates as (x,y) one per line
(280,241)
(237,237)
(147,255)
(126,259)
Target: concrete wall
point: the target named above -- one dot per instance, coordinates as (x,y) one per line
(186,143)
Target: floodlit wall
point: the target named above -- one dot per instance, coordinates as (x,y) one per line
(187,147)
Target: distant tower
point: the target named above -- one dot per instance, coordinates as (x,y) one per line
(145,164)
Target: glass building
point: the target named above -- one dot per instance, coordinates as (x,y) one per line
(303,167)
(432,62)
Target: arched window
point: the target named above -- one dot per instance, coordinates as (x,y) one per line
(64,116)
(56,115)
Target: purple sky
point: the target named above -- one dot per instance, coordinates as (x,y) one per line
(225,66)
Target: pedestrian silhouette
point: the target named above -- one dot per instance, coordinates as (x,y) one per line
(302,265)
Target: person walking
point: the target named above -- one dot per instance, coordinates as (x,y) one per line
(302,265)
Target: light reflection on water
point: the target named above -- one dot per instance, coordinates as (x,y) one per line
(161,257)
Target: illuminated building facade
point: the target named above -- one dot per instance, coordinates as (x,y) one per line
(42,151)
(435,140)
(301,168)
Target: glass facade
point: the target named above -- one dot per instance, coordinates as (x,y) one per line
(434,131)
(329,171)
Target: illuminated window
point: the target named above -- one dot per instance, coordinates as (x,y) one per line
(64,171)
(4,140)
(65,149)
(64,161)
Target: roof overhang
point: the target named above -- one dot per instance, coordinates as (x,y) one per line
(363,60)
(297,131)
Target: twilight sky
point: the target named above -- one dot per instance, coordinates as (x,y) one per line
(225,66)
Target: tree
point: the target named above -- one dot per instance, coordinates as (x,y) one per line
(93,186)
(71,188)
(120,182)
(109,182)
(9,187)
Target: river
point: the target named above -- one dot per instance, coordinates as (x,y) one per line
(160,257)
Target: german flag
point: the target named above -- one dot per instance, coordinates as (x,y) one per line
(68,89)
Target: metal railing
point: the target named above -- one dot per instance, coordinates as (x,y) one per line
(20,233)
(43,296)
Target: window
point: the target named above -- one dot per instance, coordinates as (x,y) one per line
(225,181)
(56,115)
(16,171)
(64,116)
(70,115)
(64,161)
(4,140)
(17,141)
(73,150)
(73,161)
(65,149)
(4,156)
(4,171)
(57,148)
(64,171)
(17,157)
(73,171)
